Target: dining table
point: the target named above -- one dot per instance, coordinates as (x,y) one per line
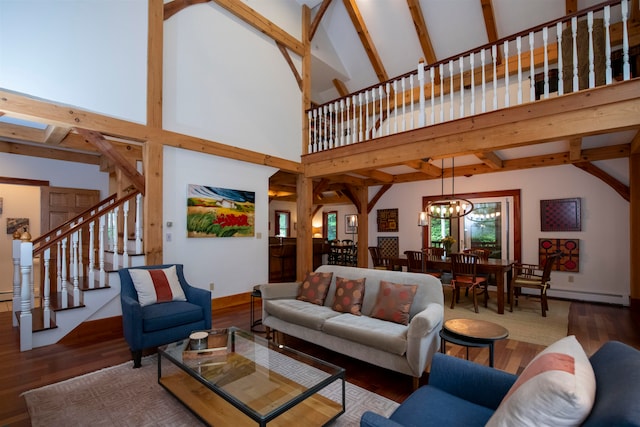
(500,268)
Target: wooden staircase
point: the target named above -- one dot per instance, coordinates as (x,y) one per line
(69,274)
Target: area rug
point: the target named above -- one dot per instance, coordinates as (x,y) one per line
(524,324)
(122,396)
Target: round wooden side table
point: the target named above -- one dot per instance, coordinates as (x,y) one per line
(472,333)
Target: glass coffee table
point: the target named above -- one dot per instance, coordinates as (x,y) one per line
(248,380)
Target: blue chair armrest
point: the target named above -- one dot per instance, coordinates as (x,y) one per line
(470,381)
(132,317)
(371,419)
(201,297)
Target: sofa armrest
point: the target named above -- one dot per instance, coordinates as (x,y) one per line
(371,419)
(422,337)
(279,290)
(425,321)
(470,381)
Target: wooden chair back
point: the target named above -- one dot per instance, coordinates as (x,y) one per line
(482,254)
(414,261)
(463,267)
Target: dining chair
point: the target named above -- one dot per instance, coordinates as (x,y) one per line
(436,253)
(414,261)
(379,262)
(533,276)
(463,268)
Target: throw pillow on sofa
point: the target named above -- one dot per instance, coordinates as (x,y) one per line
(315,287)
(557,388)
(349,295)
(394,302)
(157,285)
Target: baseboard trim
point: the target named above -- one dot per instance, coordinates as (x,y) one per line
(230,300)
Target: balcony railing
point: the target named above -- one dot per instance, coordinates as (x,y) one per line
(583,50)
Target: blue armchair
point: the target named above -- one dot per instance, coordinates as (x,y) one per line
(463,393)
(161,323)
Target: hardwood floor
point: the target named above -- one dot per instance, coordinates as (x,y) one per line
(593,324)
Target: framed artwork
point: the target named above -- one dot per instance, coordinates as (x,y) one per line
(220,212)
(570,248)
(387,220)
(560,215)
(14,224)
(389,247)
(350,225)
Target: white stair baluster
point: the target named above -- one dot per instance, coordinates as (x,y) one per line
(574,34)
(138,224)
(404,115)
(560,72)
(347,108)
(494,60)
(310,126)
(342,121)
(607,45)
(519,48)
(80,253)
(354,132)
(545,38)
(412,102)
(125,235)
(92,260)
(532,70)
(360,124)
(325,135)
(592,69)
(506,74)
(395,106)
(101,248)
(432,74)
(331,128)
(367,124)
(380,97)
(74,268)
(626,68)
(65,281)
(46,289)
(372,129)
(451,92)
(316,131)
(26,319)
(483,105)
(421,83)
(441,71)
(473,82)
(114,238)
(461,61)
(388,88)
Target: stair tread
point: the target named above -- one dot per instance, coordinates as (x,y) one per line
(37,320)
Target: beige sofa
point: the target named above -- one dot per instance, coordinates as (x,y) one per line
(406,349)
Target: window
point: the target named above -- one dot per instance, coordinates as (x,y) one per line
(283,219)
(330,225)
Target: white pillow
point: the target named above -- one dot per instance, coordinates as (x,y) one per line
(557,388)
(157,285)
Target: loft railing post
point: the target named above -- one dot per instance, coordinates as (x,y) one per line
(139,224)
(46,289)
(92,256)
(125,235)
(16,280)
(26,318)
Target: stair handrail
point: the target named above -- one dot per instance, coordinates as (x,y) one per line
(54,237)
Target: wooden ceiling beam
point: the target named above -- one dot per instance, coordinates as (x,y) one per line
(287,57)
(340,87)
(53,135)
(316,20)
(619,187)
(421,30)
(382,177)
(377,197)
(635,144)
(114,155)
(262,24)
(570,6)
(490,25)
(490,158)
(425,167)
(365,39)
(175,6)
(23,133)
(45,152)
(575,149)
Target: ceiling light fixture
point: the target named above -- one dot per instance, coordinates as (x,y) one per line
(448,206)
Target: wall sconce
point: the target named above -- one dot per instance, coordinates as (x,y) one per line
(316,231)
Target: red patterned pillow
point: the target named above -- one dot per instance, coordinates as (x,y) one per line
(157,285)
(394,302)
(315,287)
(349,295)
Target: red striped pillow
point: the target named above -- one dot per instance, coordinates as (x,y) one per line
(157,285)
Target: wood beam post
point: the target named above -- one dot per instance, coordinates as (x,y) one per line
(304,240)
(152,222)
(362,194)
(634,231)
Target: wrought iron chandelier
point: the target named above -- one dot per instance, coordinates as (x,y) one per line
(448,206)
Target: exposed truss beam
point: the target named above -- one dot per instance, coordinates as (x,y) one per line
(316,20)
(365,39)
(377,196)
(619,187)
(421,31)
(176,6)
(292,66)
(490,159)
(575,149)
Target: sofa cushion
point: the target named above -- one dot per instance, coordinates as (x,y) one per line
(556,388)
(299,312)
(157,285)
(314,288)
(156,317)
(394,302)
(387,336)
(349,295)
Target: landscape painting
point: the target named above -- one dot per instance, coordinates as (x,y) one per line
(220,212)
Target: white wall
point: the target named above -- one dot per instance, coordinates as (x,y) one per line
(233,264)
(604,239)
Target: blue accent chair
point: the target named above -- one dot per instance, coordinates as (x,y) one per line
(162,323)
(463,393)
